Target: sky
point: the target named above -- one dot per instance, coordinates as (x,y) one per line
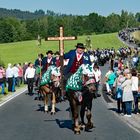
(75,7)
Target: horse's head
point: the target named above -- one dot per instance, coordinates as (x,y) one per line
(88,77)
(55,77)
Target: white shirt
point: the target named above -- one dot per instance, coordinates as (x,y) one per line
(92,58)
(66,61)
(79,56)
(97,75)
(9,72)
(29,73)
(49,60)
(15,71)
(135,59)
(134,83)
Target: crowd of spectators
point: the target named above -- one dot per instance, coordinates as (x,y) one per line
(12,77)
(122,84)
(126,34)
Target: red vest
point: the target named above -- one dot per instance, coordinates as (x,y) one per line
(76,64)
(57,63)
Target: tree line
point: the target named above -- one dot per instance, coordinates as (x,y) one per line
(13,27)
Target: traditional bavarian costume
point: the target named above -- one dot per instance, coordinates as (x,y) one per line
(75,60)
(57,59)
(47,61)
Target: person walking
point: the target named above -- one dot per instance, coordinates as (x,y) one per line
(29,77)
(20,73)
(15,78)
(127,97)
(2,80)
(25,66)
(135,83)
(97,74)
(9,76)
(38,67)
(118,90)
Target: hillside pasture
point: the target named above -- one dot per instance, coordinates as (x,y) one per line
(27,51)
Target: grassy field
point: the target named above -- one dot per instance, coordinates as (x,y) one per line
(136,35)
(27,51)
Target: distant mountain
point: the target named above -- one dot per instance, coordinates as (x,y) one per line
(21,14)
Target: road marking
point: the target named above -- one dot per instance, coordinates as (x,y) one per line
(9,98)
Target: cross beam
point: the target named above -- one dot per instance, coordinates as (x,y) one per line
(61,39)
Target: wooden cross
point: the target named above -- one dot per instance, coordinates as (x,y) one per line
(61,39)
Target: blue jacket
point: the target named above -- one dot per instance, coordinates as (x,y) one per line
(37,63)
(44,62)
(71,56)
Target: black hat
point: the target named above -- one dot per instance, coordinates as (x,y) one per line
(57,53)
(49,51)
(80,45)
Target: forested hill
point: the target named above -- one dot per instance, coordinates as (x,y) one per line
(17,25)
(24,15)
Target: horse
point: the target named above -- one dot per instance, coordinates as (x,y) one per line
(49,88)
(80,91)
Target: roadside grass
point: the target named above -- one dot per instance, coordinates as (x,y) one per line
(27,51)
(8,93)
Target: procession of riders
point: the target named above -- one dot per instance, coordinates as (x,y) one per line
(80,81)
(82,78)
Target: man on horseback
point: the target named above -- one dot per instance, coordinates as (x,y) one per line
(76,58)
(47,60)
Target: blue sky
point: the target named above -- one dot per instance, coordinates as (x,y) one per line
(76,7)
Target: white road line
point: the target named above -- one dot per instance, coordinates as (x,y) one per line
(11,97)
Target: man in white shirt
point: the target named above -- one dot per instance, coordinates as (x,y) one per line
(29,77)
(97,74)
(9,76)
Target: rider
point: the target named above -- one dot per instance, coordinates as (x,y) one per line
(48,60)
(76,58)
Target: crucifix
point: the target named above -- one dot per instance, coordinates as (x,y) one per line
(61,39)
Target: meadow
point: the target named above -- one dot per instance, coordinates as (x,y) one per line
(27,51)
(136,35)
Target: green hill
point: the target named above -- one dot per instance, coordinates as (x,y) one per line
(26,51)
(136,35)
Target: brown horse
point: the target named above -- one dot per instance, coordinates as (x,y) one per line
(82,98)
(49,92)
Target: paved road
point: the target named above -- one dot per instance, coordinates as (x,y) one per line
(23,119)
